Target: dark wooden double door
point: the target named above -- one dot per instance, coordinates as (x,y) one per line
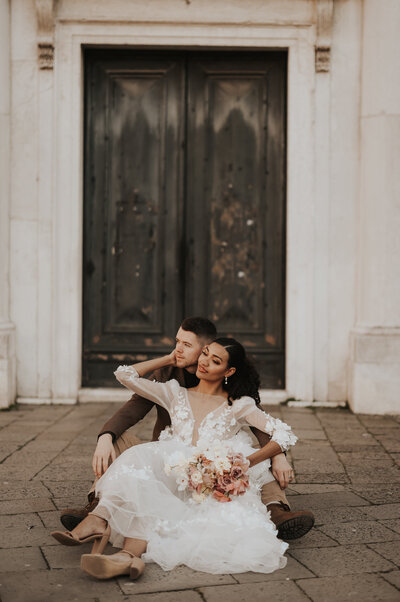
(184,203)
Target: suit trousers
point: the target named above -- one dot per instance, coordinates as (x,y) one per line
(270,492)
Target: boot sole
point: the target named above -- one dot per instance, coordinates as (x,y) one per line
(70,521)
(294,528)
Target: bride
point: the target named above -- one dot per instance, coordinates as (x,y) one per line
(148,513)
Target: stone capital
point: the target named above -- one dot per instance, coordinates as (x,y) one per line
(45,32)
(324,35)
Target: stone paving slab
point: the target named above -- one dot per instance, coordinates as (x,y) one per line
(359,532)
(337,515)
(352,553)
(344,560)
(155,580)
(393,524)
(368,588)
(392,577)
(55,586)
(383,511)
(278,591)
(26,505)
(21,559)
(382,493)
(389,550)
(327,500)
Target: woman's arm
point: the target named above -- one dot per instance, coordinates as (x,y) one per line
(143,368)
(281,434)
(130,377)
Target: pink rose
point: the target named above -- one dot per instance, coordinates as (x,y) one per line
(220,497)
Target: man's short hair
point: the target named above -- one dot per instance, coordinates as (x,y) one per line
(200,326)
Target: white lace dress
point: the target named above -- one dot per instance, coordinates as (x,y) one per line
(140,500)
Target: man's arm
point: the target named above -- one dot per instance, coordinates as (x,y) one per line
(131,412)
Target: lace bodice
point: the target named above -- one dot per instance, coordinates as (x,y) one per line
(223,422)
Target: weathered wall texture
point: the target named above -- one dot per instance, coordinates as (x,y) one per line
(343,280)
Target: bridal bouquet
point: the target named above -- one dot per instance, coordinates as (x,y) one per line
(221,474)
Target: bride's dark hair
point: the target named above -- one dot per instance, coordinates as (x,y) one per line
(245,381)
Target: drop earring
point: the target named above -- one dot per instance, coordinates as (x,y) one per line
(226,380)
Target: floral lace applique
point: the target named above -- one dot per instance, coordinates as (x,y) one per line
(182,422)
(280,432)
(217,426)
(144,473)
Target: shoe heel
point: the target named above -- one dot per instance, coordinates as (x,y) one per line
(136,568)
(100,543)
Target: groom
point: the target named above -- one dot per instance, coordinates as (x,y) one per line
(113,439)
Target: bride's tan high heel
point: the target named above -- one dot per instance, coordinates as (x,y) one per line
(67,538)
(106,567)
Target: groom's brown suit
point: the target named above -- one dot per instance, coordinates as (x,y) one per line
(136,409)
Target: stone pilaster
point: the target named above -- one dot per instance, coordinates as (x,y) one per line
(7,330)
(375,340)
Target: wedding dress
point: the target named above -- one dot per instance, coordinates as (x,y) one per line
(139,499)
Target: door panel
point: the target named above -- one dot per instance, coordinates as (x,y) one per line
(132,281)
(184,203)
(235,140)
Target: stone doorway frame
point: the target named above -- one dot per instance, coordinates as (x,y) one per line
(67,182)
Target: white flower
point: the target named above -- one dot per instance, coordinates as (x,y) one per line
(196,478)
(167,469)
(222,464)
(182,482)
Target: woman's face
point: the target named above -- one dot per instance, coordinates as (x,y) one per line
(213,363)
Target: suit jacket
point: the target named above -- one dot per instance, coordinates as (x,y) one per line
(137,407)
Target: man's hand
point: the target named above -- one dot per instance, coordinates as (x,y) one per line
(282,470)
(103,453)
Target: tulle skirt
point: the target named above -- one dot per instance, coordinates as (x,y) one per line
(140,500)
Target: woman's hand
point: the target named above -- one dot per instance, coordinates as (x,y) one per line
(282,470)
(172,358)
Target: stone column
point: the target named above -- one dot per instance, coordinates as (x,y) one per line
(7,330)
(375,340)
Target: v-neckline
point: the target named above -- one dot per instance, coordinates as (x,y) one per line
(208,413)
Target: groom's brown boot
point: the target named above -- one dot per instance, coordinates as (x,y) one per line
(290,525)
(71,517)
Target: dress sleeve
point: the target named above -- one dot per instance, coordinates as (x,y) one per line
(160,393)
(246,411)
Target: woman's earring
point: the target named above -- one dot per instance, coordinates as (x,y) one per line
(226,380)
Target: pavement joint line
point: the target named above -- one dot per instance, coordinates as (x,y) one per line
(303,565)
(44,558)
(201,594)
(301,589)
(381,555)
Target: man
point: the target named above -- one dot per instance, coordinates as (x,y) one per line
(113,439)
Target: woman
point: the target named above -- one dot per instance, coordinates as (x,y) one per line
(146,512)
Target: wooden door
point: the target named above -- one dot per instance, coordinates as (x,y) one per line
(184,203)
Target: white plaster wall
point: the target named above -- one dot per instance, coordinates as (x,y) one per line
(342,245)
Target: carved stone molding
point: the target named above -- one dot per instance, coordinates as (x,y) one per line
(45,29)
(324,35)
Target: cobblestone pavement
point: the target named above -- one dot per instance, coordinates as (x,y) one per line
(346,472)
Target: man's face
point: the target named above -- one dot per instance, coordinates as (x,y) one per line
(188,348)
